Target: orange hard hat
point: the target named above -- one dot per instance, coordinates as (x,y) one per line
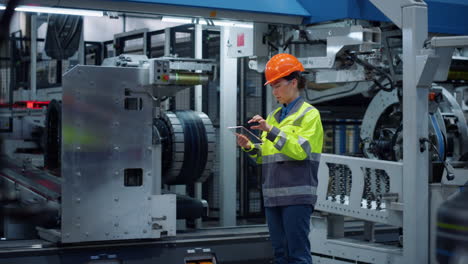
(281,65)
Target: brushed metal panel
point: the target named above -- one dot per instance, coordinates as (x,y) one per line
(100,140)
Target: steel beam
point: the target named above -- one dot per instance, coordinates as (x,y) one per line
(228,117)
(415,127)
(198,101)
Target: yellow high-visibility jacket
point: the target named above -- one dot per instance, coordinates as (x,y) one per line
(290,156)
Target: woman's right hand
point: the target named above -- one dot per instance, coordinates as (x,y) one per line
(243,141)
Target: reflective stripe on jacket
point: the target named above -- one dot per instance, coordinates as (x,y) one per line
(290,156)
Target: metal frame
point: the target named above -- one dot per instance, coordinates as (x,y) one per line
(99,52)
(409,186)
(408,203)
(227,149)
(354,205)
(337,38)
(335,250)
(415,164)
(121,38)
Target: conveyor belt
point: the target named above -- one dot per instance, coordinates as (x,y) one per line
(38,181)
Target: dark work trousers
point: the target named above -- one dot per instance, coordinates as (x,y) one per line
(289,233)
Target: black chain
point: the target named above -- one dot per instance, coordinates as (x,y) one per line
(368,184)
(387,181)
(342,183)
(349,176)
(378,198)
(331,168)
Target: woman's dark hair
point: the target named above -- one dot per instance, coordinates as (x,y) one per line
(301,80)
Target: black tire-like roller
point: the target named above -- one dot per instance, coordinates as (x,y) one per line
(53,136)
(188,143)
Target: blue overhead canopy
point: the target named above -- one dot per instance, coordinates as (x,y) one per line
(445,16)
(278,7)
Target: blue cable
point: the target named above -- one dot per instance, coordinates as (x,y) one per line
(440,138)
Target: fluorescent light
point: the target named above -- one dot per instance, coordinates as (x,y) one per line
(202,21)
(55,10)
(65,11)
(184,20)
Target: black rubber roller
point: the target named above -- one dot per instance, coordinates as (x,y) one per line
(187,146)
(53,136)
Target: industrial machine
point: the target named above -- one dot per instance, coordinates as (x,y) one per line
(364,66)
(122,143)
(364,203)
(111,152)
(110,135)
(112,148)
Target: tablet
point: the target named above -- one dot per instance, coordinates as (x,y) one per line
(244,131)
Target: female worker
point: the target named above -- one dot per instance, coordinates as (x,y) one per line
(290,153)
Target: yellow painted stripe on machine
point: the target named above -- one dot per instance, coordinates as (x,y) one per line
(458,75)
(452,226)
